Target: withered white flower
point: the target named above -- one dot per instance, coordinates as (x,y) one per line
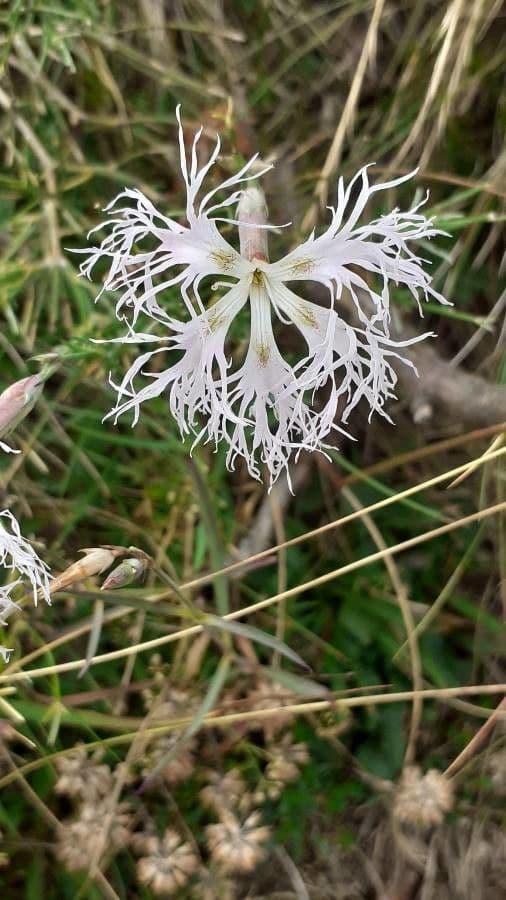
(17,555)
(237,845)
(264,411)
(168,863)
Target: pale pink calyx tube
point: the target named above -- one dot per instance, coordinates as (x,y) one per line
(251,211)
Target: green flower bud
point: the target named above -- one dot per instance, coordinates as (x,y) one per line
(128,571)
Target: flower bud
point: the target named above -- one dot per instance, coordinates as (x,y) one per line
(128,571)
(16,402)
(96,561)
(251,211)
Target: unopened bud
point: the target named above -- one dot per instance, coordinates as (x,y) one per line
(251,211)
(16,402)
(128,571)
(96,561)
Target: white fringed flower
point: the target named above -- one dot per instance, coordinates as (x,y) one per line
(265,410)
(17,555)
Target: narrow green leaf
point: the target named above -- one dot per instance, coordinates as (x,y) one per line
(255,634)
(208,703)
(304,687)
(94,638)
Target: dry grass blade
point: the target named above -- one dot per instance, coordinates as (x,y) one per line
(496,443)
(243,565)
(262,604)
(347,118)
(308,707)
(481,736)
(449,46)
(344,520)
(402,599)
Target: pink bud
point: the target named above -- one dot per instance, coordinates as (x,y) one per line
(17,401)
(95,561)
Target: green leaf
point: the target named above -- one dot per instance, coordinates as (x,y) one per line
(94,636)
(255,634)
(305,687)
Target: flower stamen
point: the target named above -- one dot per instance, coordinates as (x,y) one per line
(223,259)
(263,353)
(307,316)
(302,266)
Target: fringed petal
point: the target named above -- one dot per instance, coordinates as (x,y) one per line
(381,248)
(196,384)
(17,554)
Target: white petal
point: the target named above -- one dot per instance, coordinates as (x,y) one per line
(353,363)
(196,385)
(6,449)
(18,555)
(269,400)
(148,252)
(381,248)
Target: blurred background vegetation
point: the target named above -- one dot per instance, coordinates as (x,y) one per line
(191,781)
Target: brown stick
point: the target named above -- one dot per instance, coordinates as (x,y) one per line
(466,399)
(478,740)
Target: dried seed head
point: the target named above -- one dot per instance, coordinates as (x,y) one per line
(16,402)
(80,776)
(422,800)
(270,695)
(225,792)
(236,846)
(168,863)
(81,839)
(166,760)
(286,761)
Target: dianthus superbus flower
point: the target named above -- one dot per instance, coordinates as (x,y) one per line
(263,411)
